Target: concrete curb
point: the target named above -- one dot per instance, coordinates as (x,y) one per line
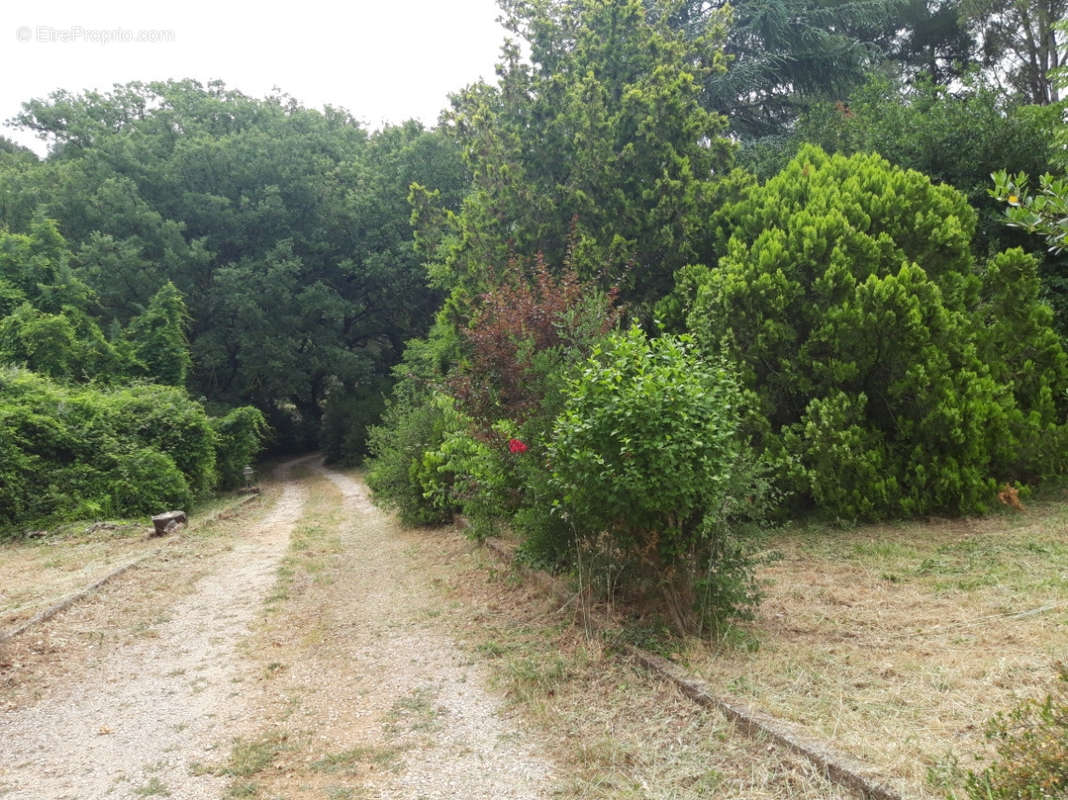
(838,768)
(81,594)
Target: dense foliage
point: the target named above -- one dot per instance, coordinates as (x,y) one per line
(284,230)
(80,451)
(611,453)
(897,375)
(594,149)
(95,424)
(646,458)
(853,320)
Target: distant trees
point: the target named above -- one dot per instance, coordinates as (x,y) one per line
(250,251)
(782,55)
(1020,43)
(94,424)
(284,230)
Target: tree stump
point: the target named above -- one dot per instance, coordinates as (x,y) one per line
(165,523)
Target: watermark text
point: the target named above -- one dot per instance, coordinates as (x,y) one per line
(78,34)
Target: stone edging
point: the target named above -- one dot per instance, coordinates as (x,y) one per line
(837,767)
(81,594)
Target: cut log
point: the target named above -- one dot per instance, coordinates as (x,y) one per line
(162,522)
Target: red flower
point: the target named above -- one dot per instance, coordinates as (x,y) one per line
(516,446)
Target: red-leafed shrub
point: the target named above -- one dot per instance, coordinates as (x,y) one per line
(526,326)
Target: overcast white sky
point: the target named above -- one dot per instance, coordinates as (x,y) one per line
(383,61)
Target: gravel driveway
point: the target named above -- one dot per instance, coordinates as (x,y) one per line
(136,722)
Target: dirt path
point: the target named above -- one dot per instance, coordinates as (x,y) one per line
(372,686)
(423,695)
(132,726)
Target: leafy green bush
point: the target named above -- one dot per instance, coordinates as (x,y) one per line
(404,472)
(239,437)
(498,380)
(645,458)
(894,375)
(1032,746)
(42,342)
(82,451)
(146,481)
(166,419)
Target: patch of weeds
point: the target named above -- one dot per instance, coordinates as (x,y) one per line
(340,793)
(978,582)
(490,649)
(655,636)
(537,675)
(279,595)
(1032,749)
(416,712)
(934,566)
(249,757)
(706,782)
(347,762)
(740,685)
(238,790)
(734,637)
(886,549)
(154,787)
(945,774)
(273,668)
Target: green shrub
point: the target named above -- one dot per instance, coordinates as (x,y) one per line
(239,438)
(1032,746)
(147,481)
(166,419)
(645,458)
(896,376)
(401,473)
(42,342)
(83,451)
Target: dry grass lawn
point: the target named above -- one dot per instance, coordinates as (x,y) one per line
(897,642)
(616,732)
(54,652)
(43,569)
